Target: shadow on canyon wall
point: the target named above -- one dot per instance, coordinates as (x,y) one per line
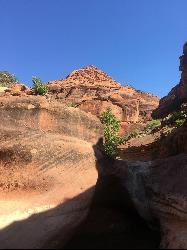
(112,221)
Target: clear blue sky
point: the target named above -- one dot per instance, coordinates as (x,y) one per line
(137,42)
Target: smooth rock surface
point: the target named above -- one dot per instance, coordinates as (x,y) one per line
(48,171)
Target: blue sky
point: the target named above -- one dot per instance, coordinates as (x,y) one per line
(137,42)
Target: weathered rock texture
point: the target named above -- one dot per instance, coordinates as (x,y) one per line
(47,171)
(158,192)
(166,187)
(178,94)
(94,91)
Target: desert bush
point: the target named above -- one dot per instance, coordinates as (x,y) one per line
(149,128)
(133,134)
(111,133)
(39,87)
(73,105)
(136,133)
(180,122)
(7,79)
(177,118)
(152,125)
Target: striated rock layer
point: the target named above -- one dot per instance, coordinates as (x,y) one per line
(48,171)
(94,91)
(158,191)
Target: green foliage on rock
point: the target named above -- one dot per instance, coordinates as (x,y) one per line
(177,118)
(73,105)
(134,134)
(39,87)
(149,128)
(112,139)
(7,79)
(180,122)
(152,125)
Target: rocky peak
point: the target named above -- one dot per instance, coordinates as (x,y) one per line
(94,91)
(89,76)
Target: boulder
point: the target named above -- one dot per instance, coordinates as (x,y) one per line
(17,89)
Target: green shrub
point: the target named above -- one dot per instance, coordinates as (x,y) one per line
(7,79)
(111,133)
(136,133)
(133,134)
(39,87)
(152,125)
(180,122)
(177,118)
(73,105)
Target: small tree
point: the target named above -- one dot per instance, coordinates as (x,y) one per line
(7,79)
(111,133)
(39,87)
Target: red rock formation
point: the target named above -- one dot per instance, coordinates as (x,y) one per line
(48,171)
(94,91)
(18,89)
(166,186)
(178,94)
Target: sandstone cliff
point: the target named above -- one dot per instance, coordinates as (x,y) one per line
(94,91)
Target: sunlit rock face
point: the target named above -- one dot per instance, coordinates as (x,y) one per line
(178,94)
(94,91)
(48,170)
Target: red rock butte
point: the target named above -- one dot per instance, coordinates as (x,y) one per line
(94,91)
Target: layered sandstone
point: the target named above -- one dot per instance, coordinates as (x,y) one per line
(166,189)
(158,191)
(94,91)
(48,171)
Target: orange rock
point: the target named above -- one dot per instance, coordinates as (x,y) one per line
(94,91)
(48,171)
(18,88)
